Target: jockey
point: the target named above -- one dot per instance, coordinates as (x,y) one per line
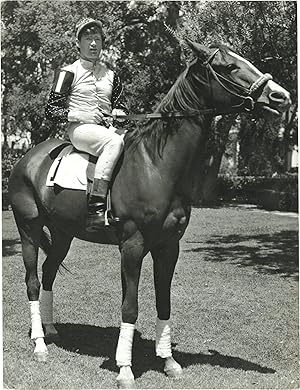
(82,95)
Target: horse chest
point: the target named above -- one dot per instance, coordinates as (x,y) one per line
(176,221)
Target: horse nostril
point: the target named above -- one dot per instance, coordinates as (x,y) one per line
(278,97)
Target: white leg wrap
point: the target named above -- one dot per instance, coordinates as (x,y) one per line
(36,322)
(124,348)
(163,338)
(40,345)
(46,302)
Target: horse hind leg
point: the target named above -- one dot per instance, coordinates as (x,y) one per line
(165,259)
(56,253)
(30,233)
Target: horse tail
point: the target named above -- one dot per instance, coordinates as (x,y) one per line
(45,242)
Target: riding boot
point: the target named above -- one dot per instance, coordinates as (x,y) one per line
(96,204)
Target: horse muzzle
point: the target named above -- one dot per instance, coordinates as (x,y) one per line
(274,98)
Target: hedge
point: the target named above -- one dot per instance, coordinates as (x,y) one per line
(9,159)
(272,193)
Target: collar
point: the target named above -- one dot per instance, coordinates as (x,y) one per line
(97,68)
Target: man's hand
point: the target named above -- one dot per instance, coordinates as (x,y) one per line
(118,111)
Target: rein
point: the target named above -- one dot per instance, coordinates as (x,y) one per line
(246,96)
(174,114)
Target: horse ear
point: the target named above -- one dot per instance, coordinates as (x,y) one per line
(200,50)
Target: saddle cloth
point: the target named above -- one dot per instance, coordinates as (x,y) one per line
(71,169)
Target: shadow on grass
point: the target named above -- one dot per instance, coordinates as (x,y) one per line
(275,253)
(11,247)
(96,341)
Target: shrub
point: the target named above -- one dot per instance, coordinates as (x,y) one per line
(273,193)
(9,159)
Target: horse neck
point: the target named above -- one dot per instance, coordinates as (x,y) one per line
(185,150)
(174,147)
(187,94)
(184,154)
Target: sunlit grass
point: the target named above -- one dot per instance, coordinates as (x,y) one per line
(234,301)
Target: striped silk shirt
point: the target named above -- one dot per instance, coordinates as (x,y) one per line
(93,86)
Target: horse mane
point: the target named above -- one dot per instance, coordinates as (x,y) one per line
(156,131)
(181,97)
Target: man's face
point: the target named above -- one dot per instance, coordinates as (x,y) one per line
(90,45)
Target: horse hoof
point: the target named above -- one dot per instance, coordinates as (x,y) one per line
(174,373)
(173,369)
(41,357)
(126,383)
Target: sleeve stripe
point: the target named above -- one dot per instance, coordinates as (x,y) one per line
(60,81)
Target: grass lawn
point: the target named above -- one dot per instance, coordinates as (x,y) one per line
(234,309)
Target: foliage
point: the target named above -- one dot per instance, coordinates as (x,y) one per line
(278,193)
(43,39)
(9,159)
(260,147)
(257,30)
(147,56)
(266,33)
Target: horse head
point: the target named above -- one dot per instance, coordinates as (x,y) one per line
(232,81)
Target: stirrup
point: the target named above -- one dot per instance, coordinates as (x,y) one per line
(110,219)
(97,205)
(96,208)
(95,221)
(100,215)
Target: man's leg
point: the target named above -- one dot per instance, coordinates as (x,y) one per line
(103,173)
(98,140)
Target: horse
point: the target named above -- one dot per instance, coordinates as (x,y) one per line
(151,194)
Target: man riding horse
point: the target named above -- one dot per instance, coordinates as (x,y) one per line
(151,192)
(82,95)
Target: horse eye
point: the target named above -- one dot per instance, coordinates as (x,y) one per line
(232,67)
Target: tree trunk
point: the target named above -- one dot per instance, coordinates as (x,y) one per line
(287,139)
(4,113)
(205,189)
(172,14)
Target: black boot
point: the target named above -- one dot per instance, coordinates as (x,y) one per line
(97,205)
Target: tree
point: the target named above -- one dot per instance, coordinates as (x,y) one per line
(42,34)
(146,55)
(150,56)
(266,33)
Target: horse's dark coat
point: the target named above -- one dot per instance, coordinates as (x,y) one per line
(151,192)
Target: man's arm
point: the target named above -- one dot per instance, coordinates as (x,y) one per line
(56,109)
(117,100)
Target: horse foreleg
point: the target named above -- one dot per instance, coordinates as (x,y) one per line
(59,248)
(30,233)
(125,379)
(165,259)
(37,333)
(132,253)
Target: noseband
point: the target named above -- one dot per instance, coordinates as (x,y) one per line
(246,94)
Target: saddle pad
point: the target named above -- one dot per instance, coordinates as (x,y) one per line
(71,169)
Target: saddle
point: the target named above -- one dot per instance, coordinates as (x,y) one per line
(74,170)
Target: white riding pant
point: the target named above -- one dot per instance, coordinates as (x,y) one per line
(98,141)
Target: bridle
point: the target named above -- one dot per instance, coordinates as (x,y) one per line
(245,94)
